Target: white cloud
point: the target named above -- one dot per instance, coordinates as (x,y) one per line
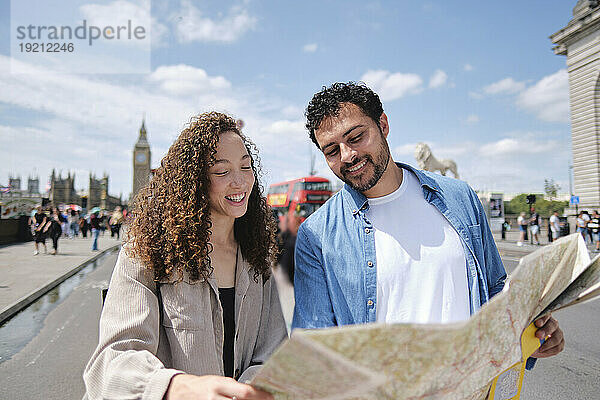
(522,146)
(286,127)
(548,98)
(518,163)
(187,80)
(292,112)
(405,150)
(438,79)
(191,25)
(472,119)
(310,47)
(392,86)
(468,67)
(504,86)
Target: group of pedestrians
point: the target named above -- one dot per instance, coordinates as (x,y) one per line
(588,225)
(46,225)
(532,223)
(52,223)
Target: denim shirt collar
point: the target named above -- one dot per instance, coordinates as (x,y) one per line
(356,201)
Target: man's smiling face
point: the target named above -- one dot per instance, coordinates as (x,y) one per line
(354,146)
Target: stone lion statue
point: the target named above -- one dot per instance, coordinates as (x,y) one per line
(428,162)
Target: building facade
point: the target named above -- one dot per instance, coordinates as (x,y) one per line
(33,185)
(580,42)
(98,196)
(62,191)
(14,183)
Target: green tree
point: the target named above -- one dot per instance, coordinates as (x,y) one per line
(551,188)
(543,207)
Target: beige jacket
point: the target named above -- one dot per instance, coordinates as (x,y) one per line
(138,352)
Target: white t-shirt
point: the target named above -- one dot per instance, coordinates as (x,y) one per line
(421,264)
(554,223)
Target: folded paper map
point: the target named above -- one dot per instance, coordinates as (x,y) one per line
(423,361)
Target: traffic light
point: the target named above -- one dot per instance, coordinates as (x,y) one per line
(530,199)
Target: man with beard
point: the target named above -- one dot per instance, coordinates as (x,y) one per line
(395,244)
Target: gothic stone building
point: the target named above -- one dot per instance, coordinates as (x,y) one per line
(62,191)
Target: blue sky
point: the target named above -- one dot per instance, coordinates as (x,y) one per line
(479,84)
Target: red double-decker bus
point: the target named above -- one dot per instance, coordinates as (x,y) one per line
(303,195)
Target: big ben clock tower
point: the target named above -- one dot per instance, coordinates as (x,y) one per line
(141,162)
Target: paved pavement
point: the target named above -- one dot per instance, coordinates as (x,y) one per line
(25,277)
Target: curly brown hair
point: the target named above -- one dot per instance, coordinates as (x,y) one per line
(170,226)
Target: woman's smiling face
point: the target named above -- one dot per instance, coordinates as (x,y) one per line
(231,177)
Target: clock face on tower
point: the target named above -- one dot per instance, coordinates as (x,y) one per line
(140,157)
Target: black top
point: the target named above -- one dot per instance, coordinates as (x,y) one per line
(39,217)
(227,297)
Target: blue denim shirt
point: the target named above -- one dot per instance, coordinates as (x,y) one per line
(335,279)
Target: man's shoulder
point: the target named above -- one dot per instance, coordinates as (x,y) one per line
(332,208)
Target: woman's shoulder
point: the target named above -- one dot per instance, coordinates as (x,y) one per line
(129,266)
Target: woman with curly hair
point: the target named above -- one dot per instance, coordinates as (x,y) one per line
(192,310)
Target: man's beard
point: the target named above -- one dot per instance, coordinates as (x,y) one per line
(379,167)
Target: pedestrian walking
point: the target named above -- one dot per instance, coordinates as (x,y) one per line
(582,226)
(554,225)
(594,226)
(95,225)
(115,222)
(103,222)
(64,221)
(192,302)
(53,230)
(83,226)
(522,222)
(73,224)
(534,226)
(289,244)
(39,221)
(588,232)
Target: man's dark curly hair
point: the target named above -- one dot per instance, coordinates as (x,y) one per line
(170,226)
(327,102)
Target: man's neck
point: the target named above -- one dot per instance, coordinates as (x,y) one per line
(389,182)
